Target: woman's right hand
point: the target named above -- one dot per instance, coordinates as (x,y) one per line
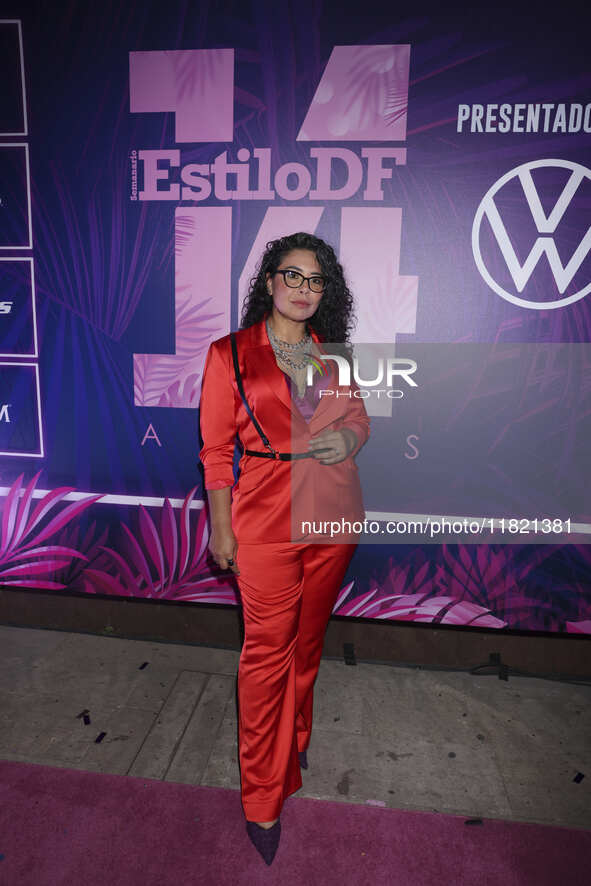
(224,546)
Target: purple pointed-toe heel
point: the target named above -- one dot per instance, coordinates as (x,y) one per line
(265,840)
(303,759)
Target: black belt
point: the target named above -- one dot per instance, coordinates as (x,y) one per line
(284,456)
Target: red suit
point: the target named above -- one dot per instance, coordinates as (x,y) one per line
(288,581)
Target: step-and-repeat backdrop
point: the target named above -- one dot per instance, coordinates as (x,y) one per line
(148,151)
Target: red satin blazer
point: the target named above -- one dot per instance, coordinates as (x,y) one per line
(272,497)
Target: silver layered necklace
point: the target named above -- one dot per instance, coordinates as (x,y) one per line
(286,351)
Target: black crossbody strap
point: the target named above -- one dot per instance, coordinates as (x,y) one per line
(262,435)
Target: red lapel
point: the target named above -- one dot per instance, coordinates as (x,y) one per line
(259,362)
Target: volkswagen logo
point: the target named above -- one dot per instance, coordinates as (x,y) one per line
(543,218)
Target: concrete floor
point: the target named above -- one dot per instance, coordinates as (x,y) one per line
(407,738)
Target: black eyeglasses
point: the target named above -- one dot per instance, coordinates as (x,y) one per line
(294,279)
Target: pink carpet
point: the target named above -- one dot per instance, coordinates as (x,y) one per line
(60,827)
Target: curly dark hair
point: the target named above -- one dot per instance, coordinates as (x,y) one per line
(334,316)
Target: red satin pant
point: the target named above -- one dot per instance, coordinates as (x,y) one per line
(288,591)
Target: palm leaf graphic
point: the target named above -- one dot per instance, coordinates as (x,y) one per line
(168,563)
(415,607)
(18,542)
(408,593)
(579,627)
(495,575)
(72,573)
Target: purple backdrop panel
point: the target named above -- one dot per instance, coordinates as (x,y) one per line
(15,223)
(20,418)
(12,105)
(445,157)
(17,308)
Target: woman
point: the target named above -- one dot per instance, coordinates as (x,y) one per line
(288,574)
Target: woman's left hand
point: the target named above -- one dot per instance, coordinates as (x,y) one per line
(338,443)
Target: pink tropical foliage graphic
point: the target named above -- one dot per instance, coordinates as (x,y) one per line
(169,563)
(165,556)
(19,541)
(71,575)
(410,594)
(483,588)
(415,607)
(579,627)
